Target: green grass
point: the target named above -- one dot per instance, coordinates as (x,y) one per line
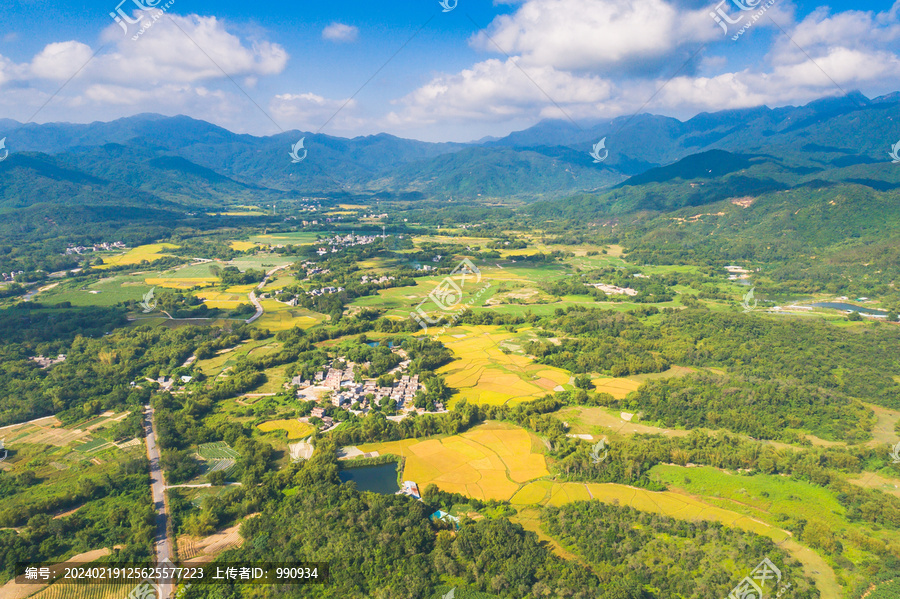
(112,291)
(294,238)
(219,450)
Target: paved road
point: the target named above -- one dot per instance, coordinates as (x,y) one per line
(252,294)
(162,544)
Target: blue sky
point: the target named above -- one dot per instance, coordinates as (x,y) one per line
(480,69)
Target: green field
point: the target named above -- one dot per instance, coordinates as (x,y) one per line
(217,451)
(294,238)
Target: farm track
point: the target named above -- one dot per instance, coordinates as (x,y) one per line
(162,543)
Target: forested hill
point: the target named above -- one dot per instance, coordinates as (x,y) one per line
(194,163)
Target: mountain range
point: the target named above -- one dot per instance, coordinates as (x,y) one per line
(179,163)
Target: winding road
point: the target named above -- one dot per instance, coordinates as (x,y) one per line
(252,294)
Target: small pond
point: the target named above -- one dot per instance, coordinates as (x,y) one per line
(378,479)
(848,307)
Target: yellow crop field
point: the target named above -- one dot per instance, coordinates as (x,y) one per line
(225,301)
(280,317)
(489,462)
(242,289)
(295,429)
(617,387)
(483,374)
(176,283)
(137,255)
(242,246)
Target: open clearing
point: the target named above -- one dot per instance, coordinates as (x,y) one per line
(884,431)
(582,420)
(198,550)
(49,431)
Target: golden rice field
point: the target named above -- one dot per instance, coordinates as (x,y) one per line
(137,255)
(223,300)
(242,246)
(483,374)
(294,428)
(178,283)
(280,317)
(617,387)
(620,387)
(489,462)
(498,461)
(241,289)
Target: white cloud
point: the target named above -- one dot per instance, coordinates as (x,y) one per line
(312,112)
(176,66)
(339,32)
(591,59)
(61,60)
(630,35)
(496,89)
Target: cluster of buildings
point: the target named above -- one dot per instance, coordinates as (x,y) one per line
(343,241)
(325,291)
(312,269)
(613,290)
(82,249)
(9,277)
(737,273)
(46,363)
(382,279)
(347,391)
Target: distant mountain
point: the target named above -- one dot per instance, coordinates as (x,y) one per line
(191,163)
